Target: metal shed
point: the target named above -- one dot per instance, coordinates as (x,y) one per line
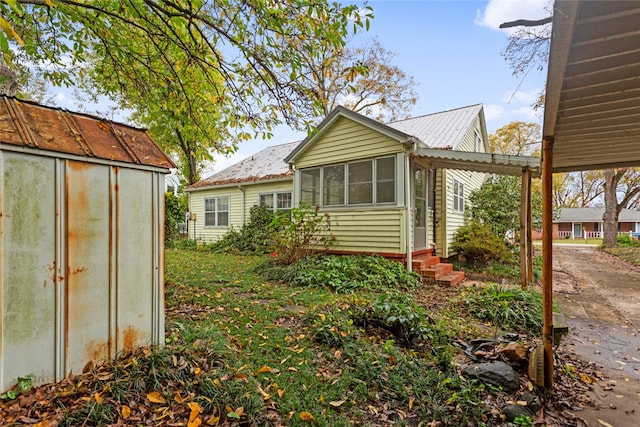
(81,240)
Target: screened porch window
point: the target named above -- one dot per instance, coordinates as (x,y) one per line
(364,182)
(310,187)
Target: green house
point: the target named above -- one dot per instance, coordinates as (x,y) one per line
(383,195)
(384,185)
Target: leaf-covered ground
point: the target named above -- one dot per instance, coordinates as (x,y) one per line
(630,254)
(243,351)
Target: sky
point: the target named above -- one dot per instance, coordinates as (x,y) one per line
(452,48)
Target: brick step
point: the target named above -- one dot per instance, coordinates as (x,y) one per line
(422,262)
(435,271)
(452,278)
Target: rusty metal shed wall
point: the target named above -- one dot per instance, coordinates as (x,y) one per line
(81,265)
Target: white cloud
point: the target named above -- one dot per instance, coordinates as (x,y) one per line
(499,11)
(494,112)
(522,96)
(527,113)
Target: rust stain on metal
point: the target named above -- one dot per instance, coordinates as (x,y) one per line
(96,350)
(130,338)
(79,270)
(33,125)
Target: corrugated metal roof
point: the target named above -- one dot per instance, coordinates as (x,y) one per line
(594,215)
(445,130)
(264,165)
(28,124)
(592,102)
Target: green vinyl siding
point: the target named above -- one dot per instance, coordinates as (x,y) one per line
(239,206)
(374,230)
(196,205)
(346,141)
(450,219)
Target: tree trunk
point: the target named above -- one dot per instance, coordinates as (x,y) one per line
(611,211)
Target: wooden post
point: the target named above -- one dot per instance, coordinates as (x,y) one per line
(524,249)
(547,259)
(529,231)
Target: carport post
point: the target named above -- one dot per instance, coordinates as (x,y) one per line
(525,224)
(547,259)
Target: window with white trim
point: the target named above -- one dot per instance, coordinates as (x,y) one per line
(363,182)
(458,196)
(310,187)
(216,211)
(479,145)
(280,201)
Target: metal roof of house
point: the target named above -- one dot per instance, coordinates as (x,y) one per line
(445,129)
(592,102)
(25,124)
(594,215)
(264,165)
(442,130)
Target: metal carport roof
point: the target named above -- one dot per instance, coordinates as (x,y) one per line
(592,105)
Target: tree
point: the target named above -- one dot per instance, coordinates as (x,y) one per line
(625,182)
(188,132)
(372,85)
(497,205)
(255,48)
(516,138)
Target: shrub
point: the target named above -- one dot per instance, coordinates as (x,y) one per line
(254,237)
(301,232)
(477,243)
(626,240)
(346,274)
(174,210)
(510,308)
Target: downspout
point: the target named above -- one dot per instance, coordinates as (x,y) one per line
(407,202)
(242,190)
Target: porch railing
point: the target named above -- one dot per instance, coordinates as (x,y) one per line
(589,234)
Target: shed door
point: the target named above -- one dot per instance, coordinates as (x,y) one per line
(420,209)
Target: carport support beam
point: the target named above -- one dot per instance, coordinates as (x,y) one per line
(547,258)
(525,224)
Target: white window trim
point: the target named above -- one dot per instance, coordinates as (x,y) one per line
(216,212)
(275,194)
(459,197)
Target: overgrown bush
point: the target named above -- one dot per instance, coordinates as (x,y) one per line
(301,232)
(174,210)
(509,308)
(346,274)
(478,244)
(254,237)
(626,240)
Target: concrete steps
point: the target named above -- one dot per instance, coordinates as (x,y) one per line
(435,272)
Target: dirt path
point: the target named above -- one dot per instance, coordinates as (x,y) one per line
(600,294)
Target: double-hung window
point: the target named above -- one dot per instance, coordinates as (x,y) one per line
(280,201)
(363,182)
(458,196)
(216,211)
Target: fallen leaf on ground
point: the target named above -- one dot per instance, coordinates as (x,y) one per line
(306,416)
(155,397)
